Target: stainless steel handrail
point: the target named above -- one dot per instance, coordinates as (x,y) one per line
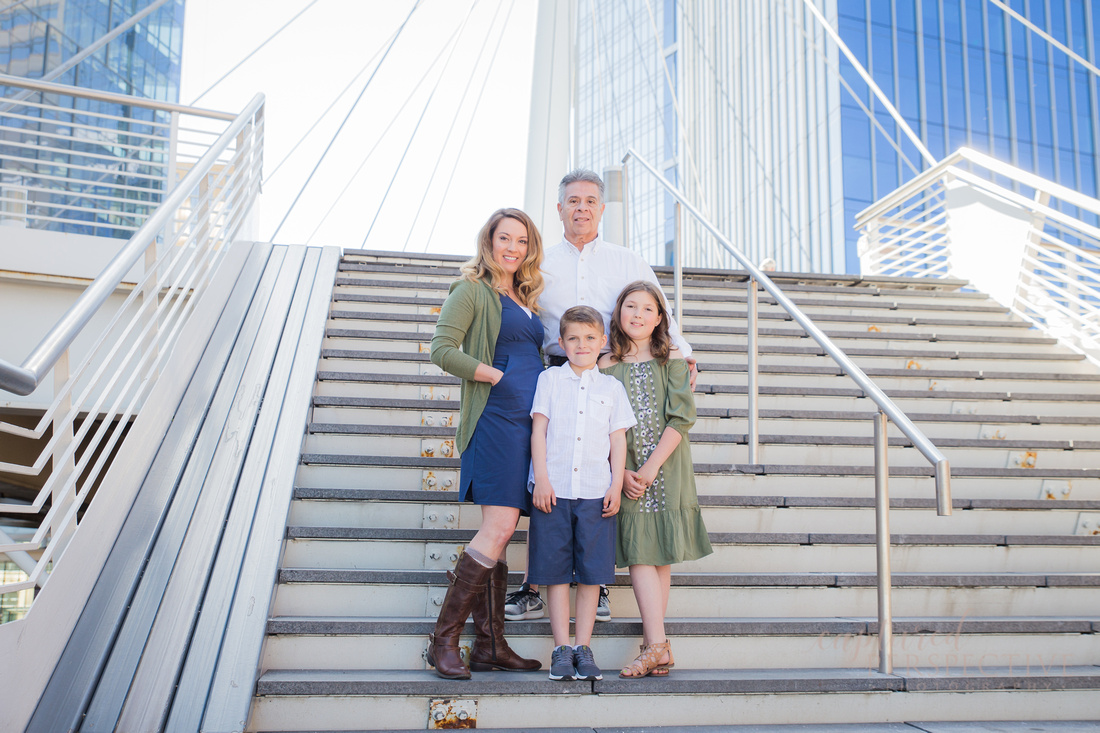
(887,408)
(25,379)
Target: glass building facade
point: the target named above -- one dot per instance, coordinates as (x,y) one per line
(37,37)
(751,109)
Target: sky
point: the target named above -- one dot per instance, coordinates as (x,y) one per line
(439,137)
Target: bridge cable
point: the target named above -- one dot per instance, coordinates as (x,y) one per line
(466,136)
(412,136)
(382,135)
(1047,37)
(346,117)
(252,53)
(320,117)
(450,131)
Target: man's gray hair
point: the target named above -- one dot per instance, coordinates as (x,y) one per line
(577,175)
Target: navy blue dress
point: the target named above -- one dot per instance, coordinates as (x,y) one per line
(495,464)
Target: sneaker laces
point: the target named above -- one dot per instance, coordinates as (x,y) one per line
(521,595)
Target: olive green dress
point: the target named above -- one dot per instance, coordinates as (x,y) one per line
(665,525)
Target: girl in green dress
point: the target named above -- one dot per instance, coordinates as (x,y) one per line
(659,520)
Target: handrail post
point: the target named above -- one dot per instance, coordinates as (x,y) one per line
(678,267)
(751,351)
(62,468)
(882,547)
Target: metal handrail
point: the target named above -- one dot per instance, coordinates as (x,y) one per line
(25,379)
(886,408)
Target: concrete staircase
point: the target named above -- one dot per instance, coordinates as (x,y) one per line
(997,607)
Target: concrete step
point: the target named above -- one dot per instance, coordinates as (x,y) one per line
(344,699)
(717,396)
(725,449)
(343,591)
(791,375)
(319,643)
(1052,518)
(371,549)
(364,315)
(713,327)
(753,480)
(399,300)
(408,362)
(795,422)
(732,339)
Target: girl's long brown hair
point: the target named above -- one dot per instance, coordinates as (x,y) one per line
(528,279)
(660,343)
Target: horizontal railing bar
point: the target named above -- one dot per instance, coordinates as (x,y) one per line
(24,379)
(116,170)
(158,145)
(158,193)
(68,91)
(86,184)
(34,125)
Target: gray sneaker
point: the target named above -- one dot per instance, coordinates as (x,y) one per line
(603,609)
(561,664)
(586,664)
(524,604)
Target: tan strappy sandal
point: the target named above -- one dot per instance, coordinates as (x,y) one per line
(647,663)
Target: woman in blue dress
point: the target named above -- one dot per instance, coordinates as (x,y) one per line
(489,334)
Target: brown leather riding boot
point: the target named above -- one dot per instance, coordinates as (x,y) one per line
(468,581)
(491,650)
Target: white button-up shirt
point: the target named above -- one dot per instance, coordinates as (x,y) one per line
(583,412)
(594,276)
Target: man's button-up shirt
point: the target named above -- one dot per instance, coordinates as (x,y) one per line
(583,411)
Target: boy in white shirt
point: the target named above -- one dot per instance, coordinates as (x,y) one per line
(578,455)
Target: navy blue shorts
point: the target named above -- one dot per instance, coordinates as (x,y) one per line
(571,544)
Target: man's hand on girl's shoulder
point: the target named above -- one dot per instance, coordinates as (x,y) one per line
(693,373)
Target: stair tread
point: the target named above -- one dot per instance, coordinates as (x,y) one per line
(763,348)
(437,497)
(719,579)
(357,459)
(825,371)
(879,319)
(681,681)
(631,626)
(736,438)
(689,329)
(439,534)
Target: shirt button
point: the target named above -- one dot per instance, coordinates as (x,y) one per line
(574,469)
(578,440)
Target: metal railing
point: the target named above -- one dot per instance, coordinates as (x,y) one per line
(886,407)
(1054,266)
(93,162)
(181,231)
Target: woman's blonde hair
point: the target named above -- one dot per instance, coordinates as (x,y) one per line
(527,281)
(660,343)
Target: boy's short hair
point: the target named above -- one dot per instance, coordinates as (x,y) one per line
(585,315)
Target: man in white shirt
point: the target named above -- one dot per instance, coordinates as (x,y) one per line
(583,269)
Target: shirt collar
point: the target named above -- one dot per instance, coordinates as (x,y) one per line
(586,375)
(592,247)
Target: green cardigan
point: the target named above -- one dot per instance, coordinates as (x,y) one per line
(470,318)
